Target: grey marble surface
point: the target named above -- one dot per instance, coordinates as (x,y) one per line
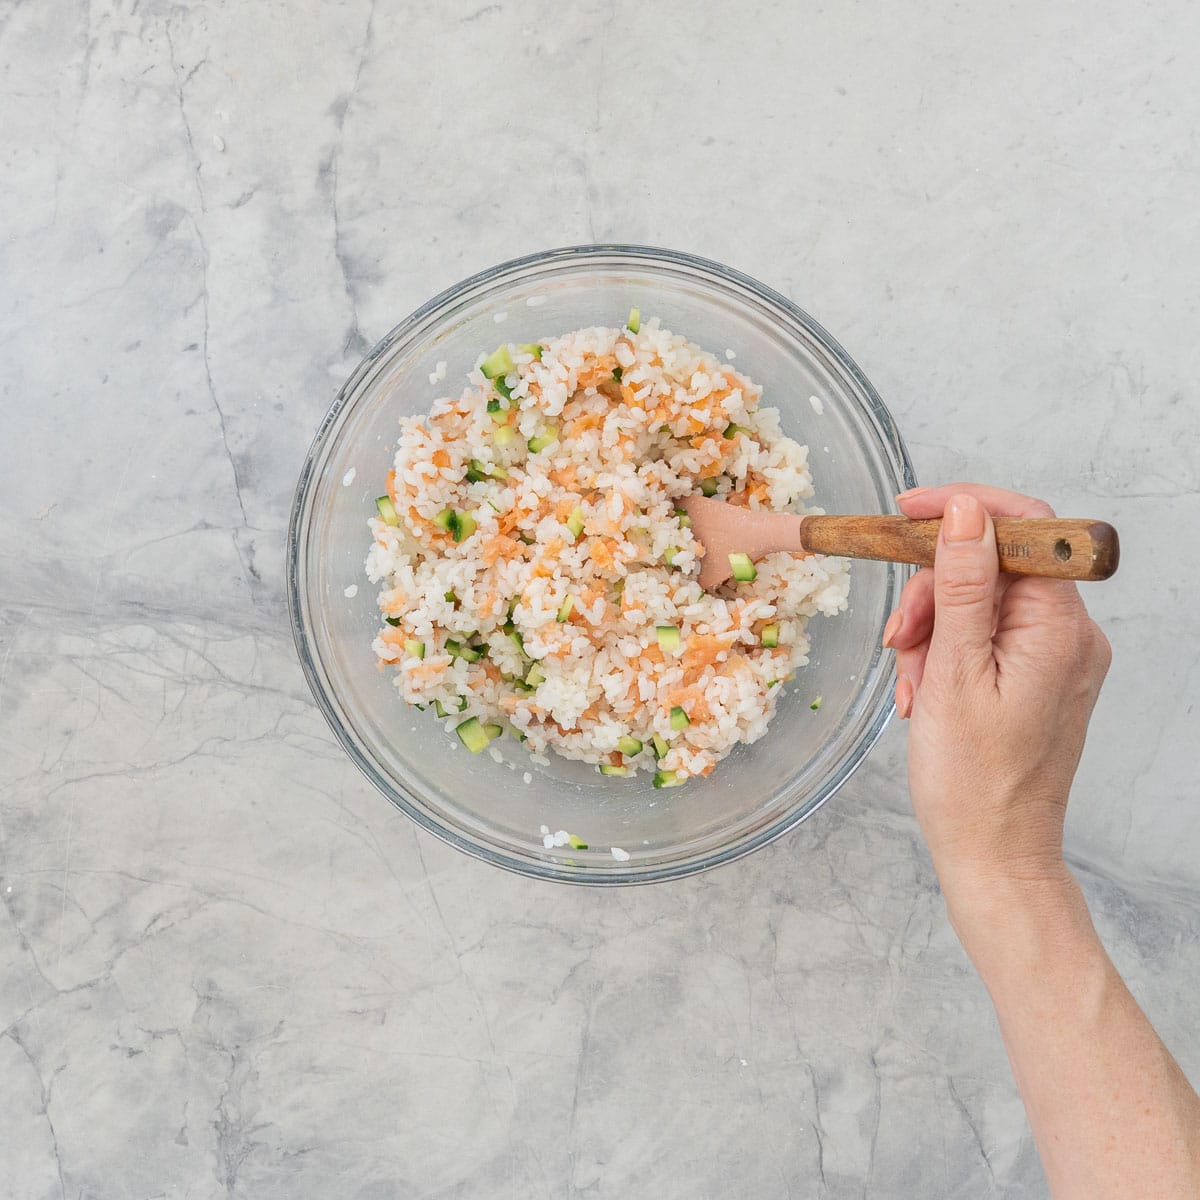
(227,966)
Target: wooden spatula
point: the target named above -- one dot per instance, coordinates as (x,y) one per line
(1056,547)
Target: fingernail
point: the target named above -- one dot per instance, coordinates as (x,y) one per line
(904,697)
(911,492)
(893,626)
(963,521)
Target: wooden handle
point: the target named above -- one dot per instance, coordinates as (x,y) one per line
(1055,547)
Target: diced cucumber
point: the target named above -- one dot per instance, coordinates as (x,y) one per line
(670,554)
(660,745)
(634,324)
(575,522)
(517,640)
(414,649)
(392,621)
(773,684)
(439,710)
(629,746)
(450,598)
(731,430)
(539,443)
(472,735)
(816,704)
(576,843)
(708,487)
(521,686)
(743,569)
(524,539)
(447,519)
(462,704)
(501,385)
(479,472)
(668,637)
(536,676)
(609,769)
(679,719)
(465,527)
(498,363)
(564,610)
(419,707)
(521,737)
(616,374)
(494,405)
(457,649)
(685,522)
(668,779)
(387,510)
(493,731)
(504,436)
(770,636)
(531,348)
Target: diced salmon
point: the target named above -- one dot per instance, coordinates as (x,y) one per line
(500,546)
(391,603)
(691,699)
(701,649)
(602,552)
(429,668)
(565,476)
(599,370)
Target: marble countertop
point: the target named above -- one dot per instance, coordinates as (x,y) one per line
(227,966)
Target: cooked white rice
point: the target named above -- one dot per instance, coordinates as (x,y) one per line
(543,617)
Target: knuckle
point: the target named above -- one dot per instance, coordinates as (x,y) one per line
(1101,649)
(965,586)
(1039,508)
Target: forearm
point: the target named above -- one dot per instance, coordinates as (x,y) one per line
(1112,1114)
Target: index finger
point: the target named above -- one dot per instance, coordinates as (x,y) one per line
(922,503)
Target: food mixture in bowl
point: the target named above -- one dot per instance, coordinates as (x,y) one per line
(538,577)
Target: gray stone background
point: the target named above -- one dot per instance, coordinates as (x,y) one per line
(227,966)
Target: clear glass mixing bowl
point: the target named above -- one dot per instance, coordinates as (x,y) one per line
(487,809)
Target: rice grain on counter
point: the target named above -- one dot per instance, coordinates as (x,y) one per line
(538,577)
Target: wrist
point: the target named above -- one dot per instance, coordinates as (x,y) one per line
(1010,922)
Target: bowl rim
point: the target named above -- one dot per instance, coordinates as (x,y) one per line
(306,649)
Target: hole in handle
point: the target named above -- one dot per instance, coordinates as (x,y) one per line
(1062,550)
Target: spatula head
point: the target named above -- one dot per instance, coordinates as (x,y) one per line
(723,529)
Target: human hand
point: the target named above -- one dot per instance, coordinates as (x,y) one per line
(999,676)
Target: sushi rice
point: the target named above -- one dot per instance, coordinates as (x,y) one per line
(537,577)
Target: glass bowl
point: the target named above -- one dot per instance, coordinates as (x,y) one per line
(496,811)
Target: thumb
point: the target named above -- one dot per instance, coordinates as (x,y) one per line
(965,572)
